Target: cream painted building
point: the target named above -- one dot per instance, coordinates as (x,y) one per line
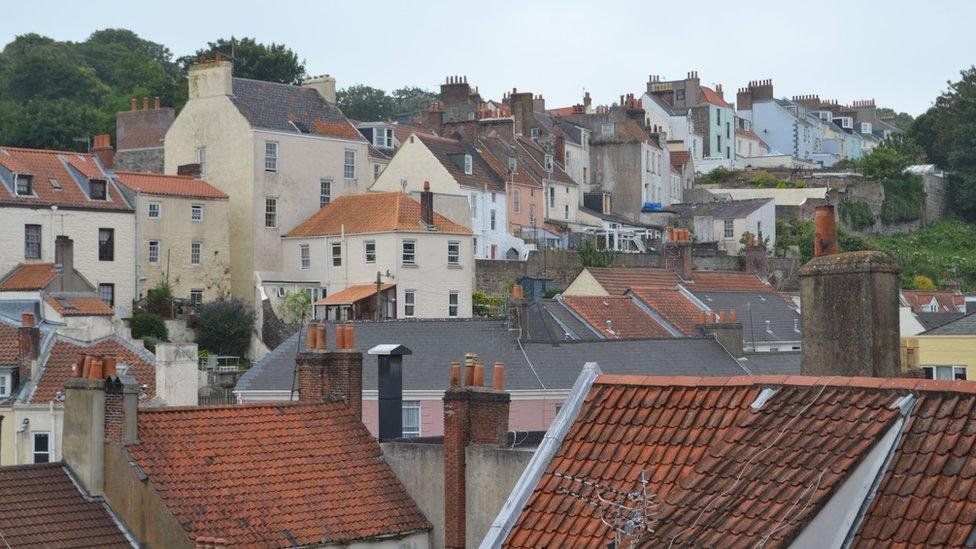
(44,194)
(279,151)
(425,268)
(183,234)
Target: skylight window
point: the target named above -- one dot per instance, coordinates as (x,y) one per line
(55,184)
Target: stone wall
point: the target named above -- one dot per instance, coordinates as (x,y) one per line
(142,160)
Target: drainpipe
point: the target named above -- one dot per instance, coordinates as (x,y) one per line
(137,243)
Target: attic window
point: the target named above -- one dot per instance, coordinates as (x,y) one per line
(24,185)
(468,168)
(55,184)
(97,189)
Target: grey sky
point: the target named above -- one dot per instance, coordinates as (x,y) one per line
(898,52)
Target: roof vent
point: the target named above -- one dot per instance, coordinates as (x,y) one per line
(769,329)
(796,325)
(904,403)
(762,398)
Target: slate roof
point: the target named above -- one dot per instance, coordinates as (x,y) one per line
(273,475)
(28,277)
(437,343)
(64,353)
(290,109)
(759,307)
(450,152)
(962,326)
(372,213)
(534,157)
(728,469)
(549,321)
(41,506)
(616,317)
(71,171)
(931,321)
(773,363)
(732,209)
(169,185)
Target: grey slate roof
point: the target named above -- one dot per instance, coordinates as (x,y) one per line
(759,307)
(780,363)
(290,109)
(931,321)
(962,326)
(437,343)
(548,321)
(732,209)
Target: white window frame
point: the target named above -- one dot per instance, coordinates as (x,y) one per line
(474,206)
(932,371)
(409,303)
(517,200)
(193,299)
(196,213)
(270,212)
(154,206)
(728,229)
(349,165)
(492,220)
(30,184)
(271,156)
(149,253)
(408,257)
(202,161)
(453,303)
(196,253)
(411,406)
(454,253)
(336,257)
(280,292)
(34,453)
(325,192)
(366,251)
(468,164)
(607,129)
(5,380)
(304,257)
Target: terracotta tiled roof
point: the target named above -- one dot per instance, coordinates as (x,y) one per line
(79,305)
(372,213)
(169,185)
(627,320)
(713,281)
(64,354)
(402,131)
(673,306)
(564,111)
(496,152)
(70,170)
(679,158)
(708,95)
(725,473)
(947,300)
(9,345)
(534,157)
(28,277)
(41,506)
(616,281)
(448,151)
(273,475)
(352,294)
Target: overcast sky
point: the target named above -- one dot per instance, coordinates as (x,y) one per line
(898,52)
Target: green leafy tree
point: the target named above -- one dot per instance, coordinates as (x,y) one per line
(590,255)
(901,120)
(296,306)
(411,99)
(365,103)
(148,324)
(224,326)
(252,59)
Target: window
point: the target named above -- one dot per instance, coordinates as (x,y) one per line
(281,291)
(202,160)
(337,255)
(728,229)
(493,220)
(325,192)
(349,167)
(313,294)
(474,245)
(468,167)
(196,212)
(107,294)
(452,303)
(474,206)
(409,252)
(566,214)
(32,241)
(512,164)
(454,253)
(719,142)
(383,137)
(411,418)
(534,133)
(494,197)
(607,129)
(270,156)
(106,244)
(24,184)
(42,447)
(97,189)
(271,212)
(679,94)
(154,210)
(549,163)
(4,385)
(305,257)
(945,373)
(552,197)
(718,116)
(55,184)
(196,297)
(153,252)
(517,200)
(369,251)
(409,302)
(196,250)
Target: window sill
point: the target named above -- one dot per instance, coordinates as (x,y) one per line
(409,265)
(458,267)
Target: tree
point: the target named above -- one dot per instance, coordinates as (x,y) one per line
(224,326)
(296,306)
(410,99)
(901,120)
(252,59)
(365,103)
(592,256)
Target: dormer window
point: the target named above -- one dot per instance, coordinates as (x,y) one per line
(468,167)
(97,187)
(24,185)
(383,138)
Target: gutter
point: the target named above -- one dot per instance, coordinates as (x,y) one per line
(532,474)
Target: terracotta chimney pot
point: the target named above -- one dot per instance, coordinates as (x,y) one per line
(479,374)
(321,338)
(455,374)
(498,377)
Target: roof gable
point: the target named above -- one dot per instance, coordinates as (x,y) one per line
(372,213)
(291,109)
(615,317)
(169,185)
(59,178)
(450,153)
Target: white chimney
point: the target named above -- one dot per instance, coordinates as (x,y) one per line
(324,84)
(177,382)
(211,79)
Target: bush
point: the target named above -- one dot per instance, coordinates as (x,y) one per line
(488,306)
(159,295)
(924,283)
(224,326)
(718,175)
(592,256)
(551,293)
(150,342)
(856,213)
(148,325)
(296,306)
(904,199)
(766,180)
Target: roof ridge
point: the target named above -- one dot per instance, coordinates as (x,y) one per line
(214,407)
(45,151)
(32,466)
(858,382)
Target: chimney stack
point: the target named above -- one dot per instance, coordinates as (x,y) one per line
(102,149)
(825,232)
(211,79)
(474,413)
(677,252)
(189,170)
(331,375)
(29,336)
(325,85)
(390,388)
(427,205)
(176,373)
(64,254)
(725,329)
(587,101)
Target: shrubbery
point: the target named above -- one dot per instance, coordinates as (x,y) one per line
(856,213)
(224,326)
(148,324)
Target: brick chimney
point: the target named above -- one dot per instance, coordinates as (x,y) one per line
(724,328)
(521,104)
(189,170)
(473,414)
(29,338)
(331,375)
(539,103)
(677,252)
(587,101)
(102,149)
(459,104)
(427,205)
(559,149)
(743,99)
(825,231)
(324,84)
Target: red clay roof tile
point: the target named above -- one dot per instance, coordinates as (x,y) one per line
(28,277)
(79,305)
(64,354)
(673,306)
(372,213)
(48,166)
(169,185)
(616,317)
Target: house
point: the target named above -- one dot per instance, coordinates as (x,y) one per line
(570,145)
(725,222)
(280,152)
(44,194)
(657,461)
(943,301)
(183,234)
(421,262)
(782,124)
(747,143)
(945,352)
(676,122)
(139,136)
(304,474)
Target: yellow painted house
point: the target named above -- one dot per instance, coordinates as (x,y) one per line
(947,352)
